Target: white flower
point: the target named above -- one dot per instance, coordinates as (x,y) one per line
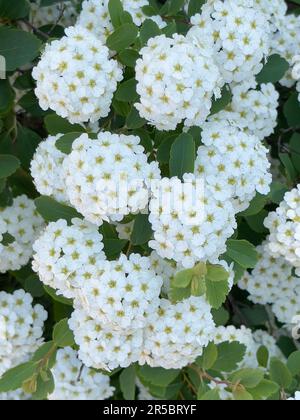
(74,381)
(19,227)
(234,164)
(177,333)
(76,78)
(21,328)
(284,226)
(241,36)
(65,255)
(272,282)
(177,79)
(107,178)
(46,169)
(189,223)
(296,397)
(95,16)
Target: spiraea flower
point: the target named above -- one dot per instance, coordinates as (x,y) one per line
(20,225)
(176,80)
(76,77)
(108,178)
(74,381)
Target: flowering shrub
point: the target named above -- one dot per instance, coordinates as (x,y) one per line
(149,200)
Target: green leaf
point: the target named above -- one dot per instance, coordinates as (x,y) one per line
(280,374)
(148,30)
(293,363)
(14,10)
(264,389)
(116,12)
(216,292)
(195,7)
(14,378)
(289,166)
(8,165)
(26,144)
(64,143)
(7,96)
(221,316)
(291,110)
(178,294)
(212,395)
(256,205)
(183,278)
(277,192)
(274,70)
(295,150)
(18,47)
(113,247)
(216,273)
(62,335)
(175,7)
(34,286)
(58,298)
(123,37)
(242,252)
(221,103)
(158,376)
(127,383)
(129,57)
(52,211)
(229,356)
(133,120)
(240,394)
(126,91)
(262,356)
(47,351)
(209,357)
(44,388)
(57,125)
(249,378)
(182,156)
(142,231)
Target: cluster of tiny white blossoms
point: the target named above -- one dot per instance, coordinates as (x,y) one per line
(65,254)
(20,225)
(63,14)
(296,397)
(234,164)
(176,80)
(177,333)
(21,328)
(189,224)
(95,16)
(46,169)
(286,42)
(121,294)
(272,282)
(284,226)
(76,77)
(16,395)
(108,178)
(252,110)
(74,381)
(241,37)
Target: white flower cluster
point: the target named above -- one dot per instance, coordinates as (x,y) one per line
(63,14)
(296,397)
(177,333)
(19,227)
(272,282)
(65,254)
(76,78)
(95,16)
(274,10)
(284,226)
(254,111)
(286,42)
(108,178)
(189,224)
(252,341)
(234,164)
(74,381)
(174,335)
(21,328)
(176,80)
(16,395)
(47,171)
(241,36)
